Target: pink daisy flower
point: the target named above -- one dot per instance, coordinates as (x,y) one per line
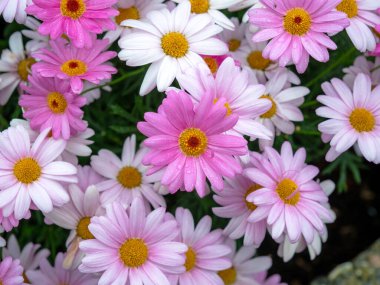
(263,279)
(10,222)
(206,254)
(30,256)
(126,179)
(29,174)
(134,246)
(290,200)
(363,18)
(241,98)
(215,61)
(77,19)
(234,206)
(297,30)
(65,61)
(49,103)
(57,275)
(353,117)
(11,272)
(190,144)
(363,65)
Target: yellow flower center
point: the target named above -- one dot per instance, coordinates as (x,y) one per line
(27,170)
(192,142)
(350,7)
(191,259)
(73,9)
(228,107)
(362,120)
(24,68)
(199,6)
(133,252)
(131,13)
(74,67)
(376,33)
(57,102)
(129,177)
(82,228)
(26,280)
(257,61)
(251,189)
(273,109)
(212,64)
(297,21)
(234,44)
(175,44)
(286,190)
(228,276)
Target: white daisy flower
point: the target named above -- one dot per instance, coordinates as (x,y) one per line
(172,42)
(126,177)
(362,15)
(362,65)
(236,38)
(212,8)
(15,66)
(14,9)
(132,10)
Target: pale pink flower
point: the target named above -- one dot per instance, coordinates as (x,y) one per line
(206,254)
(57,275)
(10,222)
(353,117)
(189,143)
(29,174)
(263,279)
(134,246)
(11,272)
(363,65)
(78,19)
(65,61)
(290,200)
(297,30)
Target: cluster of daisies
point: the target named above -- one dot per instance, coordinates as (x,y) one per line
(227,82)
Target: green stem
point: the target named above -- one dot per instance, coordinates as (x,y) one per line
(331,67)
(117,80)
(308,133)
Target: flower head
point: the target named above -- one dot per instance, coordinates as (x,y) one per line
(11,272)
(189,143)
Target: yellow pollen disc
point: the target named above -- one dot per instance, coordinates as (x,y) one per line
(251,189)
(24,68)
(199,6)
(133,252)
(192,142)
(350,7)
(129,177)
(191,259)
(234,44)
(228,276)
(297,21)
(257,61)
(272,111)
(362,120)
(286,190)
(73,9)
(228,107)
(27,170)
(82,228)
(26,280)
(57,102)
(74,67)
(212,64)
(131,13)
(175,44)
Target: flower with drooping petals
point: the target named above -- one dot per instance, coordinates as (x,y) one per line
(36,39)
(353,117)
(134,246)
(67,62)
(29,174)
(363,17)
(297,30)
(50,103)
(234,206)
(241,98)
(290,200)
(11,272)
(171,48)
(14,9)
(206,254)
(30,256)
(77,19)
(362,65)
(57,275)
(189,143)
(126,178)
